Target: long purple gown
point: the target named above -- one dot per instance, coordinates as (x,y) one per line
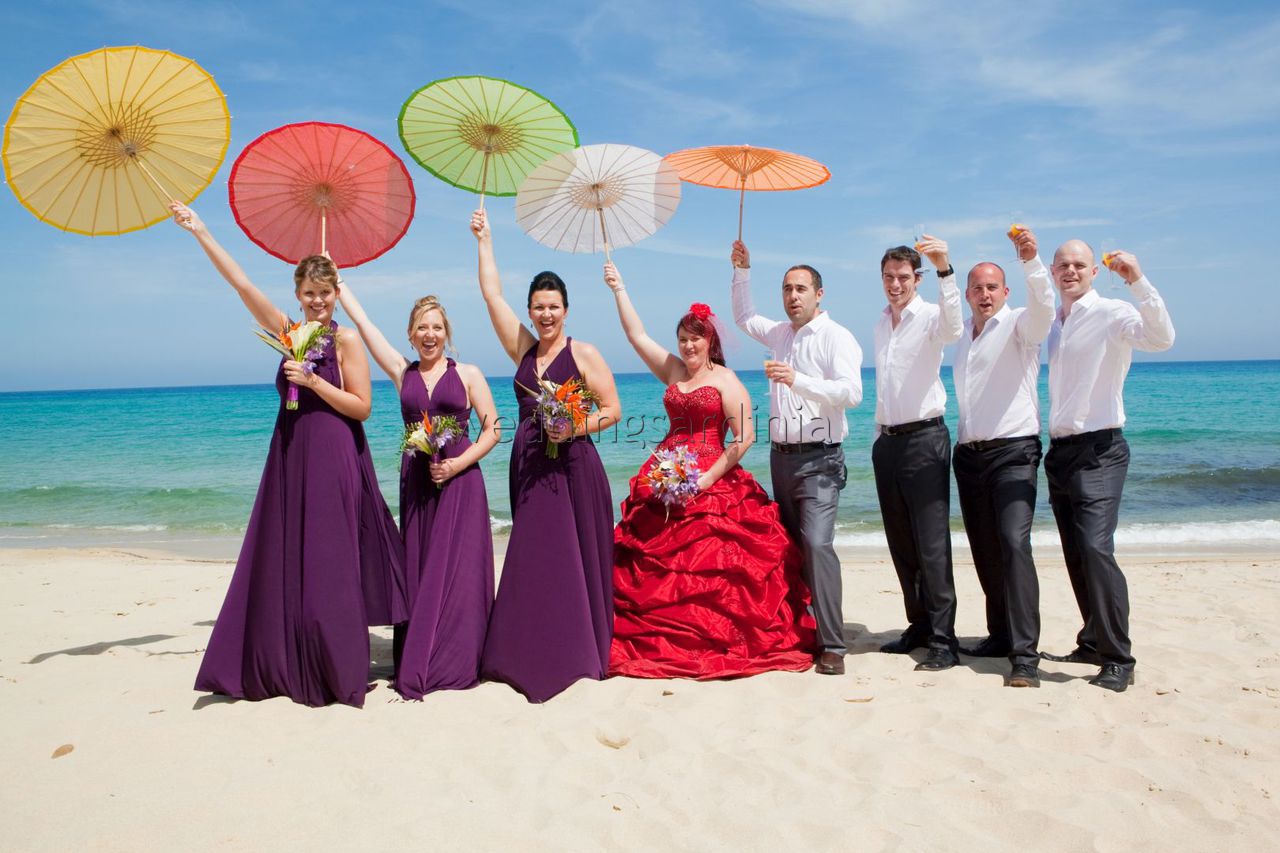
(448,550)
(552,621)
(321,561)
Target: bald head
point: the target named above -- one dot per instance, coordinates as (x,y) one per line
(1073,270)
(1075,248)
(986,293)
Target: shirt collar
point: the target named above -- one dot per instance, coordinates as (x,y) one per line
(911,307)
(815,325)
(1084,303)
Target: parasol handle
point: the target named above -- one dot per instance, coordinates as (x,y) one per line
(324,230)
(605,233)
(159,186)
(742,196)
(484,174)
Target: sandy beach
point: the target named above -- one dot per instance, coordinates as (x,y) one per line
(99,648)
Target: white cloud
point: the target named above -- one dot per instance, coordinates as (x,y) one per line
(1185,69)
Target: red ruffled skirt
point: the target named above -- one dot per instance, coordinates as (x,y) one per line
(711,590)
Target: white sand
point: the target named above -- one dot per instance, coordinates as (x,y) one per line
(99,648)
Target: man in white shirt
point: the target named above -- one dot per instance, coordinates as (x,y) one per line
(1091,345)
(814,375)
(997,454)
(912,453)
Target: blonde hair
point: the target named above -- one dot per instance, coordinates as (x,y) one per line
(318,268)
(431,303)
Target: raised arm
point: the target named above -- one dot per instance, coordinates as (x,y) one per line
(355,398)
(1034,323)
(388,357)
(744,310)
(1152,329)
(661,363)
(736,406)
(481,399)
(267,315)
(950,319)
(512,334)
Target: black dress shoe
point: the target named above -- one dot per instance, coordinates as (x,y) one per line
(1076,655)
(1024,675)
(988,648)
(829,663)
(937,660)
(1113,676)
(905,644)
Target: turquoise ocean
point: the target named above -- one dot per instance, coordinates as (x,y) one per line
(177,468)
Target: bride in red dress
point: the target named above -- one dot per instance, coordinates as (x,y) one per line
(711,588)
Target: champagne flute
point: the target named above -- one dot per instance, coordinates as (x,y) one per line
(1109,248)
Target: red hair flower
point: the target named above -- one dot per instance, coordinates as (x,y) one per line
(702,312)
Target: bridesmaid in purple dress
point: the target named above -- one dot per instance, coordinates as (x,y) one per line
(444,510)
(322,559)
(552,621)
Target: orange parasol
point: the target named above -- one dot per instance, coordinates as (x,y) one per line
(743,167)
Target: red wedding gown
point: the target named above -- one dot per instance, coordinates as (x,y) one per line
(714,590)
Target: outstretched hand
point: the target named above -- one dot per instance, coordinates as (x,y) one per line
(1123,264)
(1024,241)
(935,250)
(185,217)
(613,278)
(740,256)
(480,225)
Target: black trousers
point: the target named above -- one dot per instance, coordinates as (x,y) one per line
(1086,478)
(997,488)
(913,474)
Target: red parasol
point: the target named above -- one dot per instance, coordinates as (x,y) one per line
(306,188)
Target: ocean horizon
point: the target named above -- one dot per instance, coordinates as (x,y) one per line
(178,467)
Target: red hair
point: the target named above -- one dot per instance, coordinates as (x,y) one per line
(698,321)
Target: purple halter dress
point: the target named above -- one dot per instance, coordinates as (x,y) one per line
(552,621)
(321,561)
(448,550)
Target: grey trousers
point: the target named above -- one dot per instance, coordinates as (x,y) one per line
(807,488)
(996,482)
(913,483)
(1086,478)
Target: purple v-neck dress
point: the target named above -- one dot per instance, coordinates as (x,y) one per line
(448,550)
(321,561)
(552,621)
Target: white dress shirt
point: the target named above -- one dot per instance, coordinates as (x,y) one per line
(828,365)
(997,373)
(1089,354)
(908,387)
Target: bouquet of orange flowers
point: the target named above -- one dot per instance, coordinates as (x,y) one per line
(563,405)
(302,342)
(430,435)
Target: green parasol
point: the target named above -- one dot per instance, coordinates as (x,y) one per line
(482,134)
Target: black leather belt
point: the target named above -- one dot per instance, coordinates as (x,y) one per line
(992,443)
(1082,437)
(913,426)
(801,447)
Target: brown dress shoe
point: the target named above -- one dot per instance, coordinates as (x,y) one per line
(829,663)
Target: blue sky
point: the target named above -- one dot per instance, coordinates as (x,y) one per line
(1152,126)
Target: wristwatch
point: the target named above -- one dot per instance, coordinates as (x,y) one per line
(950,270)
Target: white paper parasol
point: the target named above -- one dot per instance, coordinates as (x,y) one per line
(597,197)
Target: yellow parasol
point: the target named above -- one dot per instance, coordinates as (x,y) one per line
(103,142)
